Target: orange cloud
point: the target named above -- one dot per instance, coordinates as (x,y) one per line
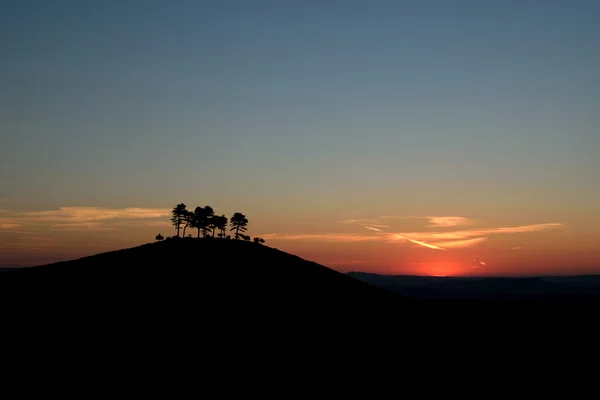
(420,243)
(431,240)
(461,238)
(437,222)
(8,225)
(88,218)
(85,214)
(326,237)
(461,243)
(372,222)
(469,238)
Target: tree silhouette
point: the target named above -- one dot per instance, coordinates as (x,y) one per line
(188,218)
(199,219)
(220,222)
(159,237)
(204,219)
(209,213)
(238,224)
(178,213)
(261,240)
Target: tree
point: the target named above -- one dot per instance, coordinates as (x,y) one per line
(179,213)
(238,224)
(159,237)
(209,213)
(261,240)
(198,219)
(256,240)
(246,238)
(219,222)
(188,218)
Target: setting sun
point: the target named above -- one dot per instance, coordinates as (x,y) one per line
(441,269)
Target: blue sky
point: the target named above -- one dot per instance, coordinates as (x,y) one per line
(485,108)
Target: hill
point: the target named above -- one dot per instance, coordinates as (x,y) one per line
(221,281)
(220,289)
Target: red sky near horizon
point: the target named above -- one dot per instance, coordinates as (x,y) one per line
(391,244)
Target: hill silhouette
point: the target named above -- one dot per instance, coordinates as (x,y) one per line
(221,288)
(218,300)
(215,280)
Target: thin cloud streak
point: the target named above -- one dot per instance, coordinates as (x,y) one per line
(420,243)
(88,218)
(359,222)
(9,225)
(462,243)
(443,222)
(80,225)
(432,240)
(17,231)
(86,214)
(326,237)
(468,234)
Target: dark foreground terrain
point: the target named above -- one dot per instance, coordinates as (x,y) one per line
(197,283)
(227,291)
(583,288)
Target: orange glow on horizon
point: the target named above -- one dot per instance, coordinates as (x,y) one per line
(441,269)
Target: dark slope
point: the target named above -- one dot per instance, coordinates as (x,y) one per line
(213,280)
(224,291)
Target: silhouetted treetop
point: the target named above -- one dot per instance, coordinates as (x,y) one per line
(238,222)
(178,216)
(204,220)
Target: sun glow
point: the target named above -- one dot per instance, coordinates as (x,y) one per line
(440,269)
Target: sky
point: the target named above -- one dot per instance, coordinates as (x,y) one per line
(408,137)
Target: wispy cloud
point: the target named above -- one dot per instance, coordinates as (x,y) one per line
(442,222)
(84,218)
(434,240)
(431,246)
(461,243)
(143,223)
(86,214)
(468,238)
(373,222)
(84,226)
(325,237)
(8,225)
(19,231)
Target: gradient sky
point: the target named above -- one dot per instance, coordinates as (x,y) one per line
(420,137)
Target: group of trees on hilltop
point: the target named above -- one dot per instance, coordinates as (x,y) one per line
(208,223)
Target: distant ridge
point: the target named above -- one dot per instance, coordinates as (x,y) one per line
(579,287)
